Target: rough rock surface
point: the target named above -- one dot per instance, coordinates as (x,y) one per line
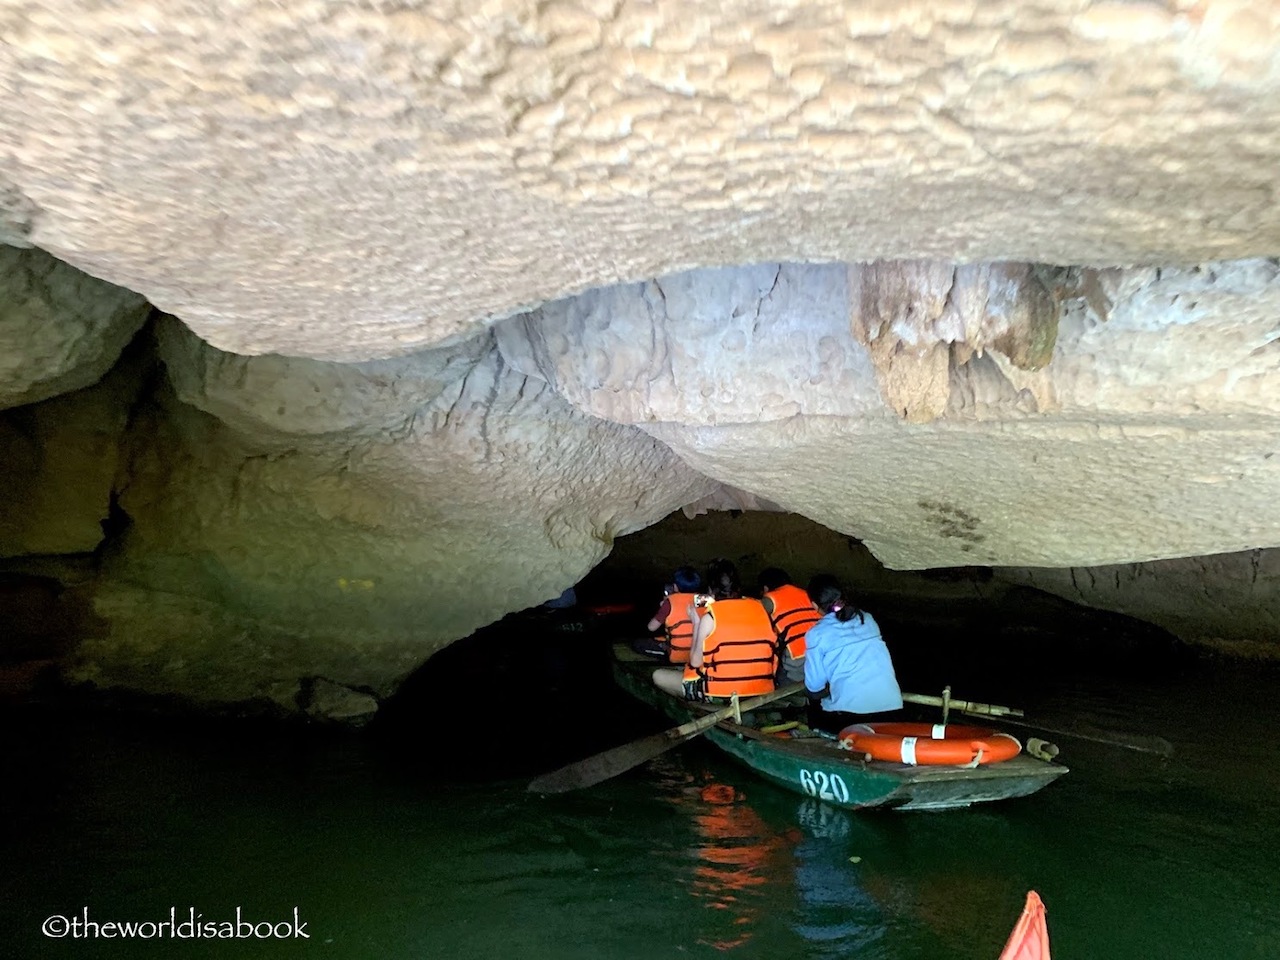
(1225,602)
(1150,433)
(911,316)
(293,400)
(346,522)
(758,344)
(227,161)
(17,215)
(60,329)
(58,463)
(304,533)
(337,703)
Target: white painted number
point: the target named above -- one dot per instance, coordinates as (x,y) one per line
(824,786)
(838,787)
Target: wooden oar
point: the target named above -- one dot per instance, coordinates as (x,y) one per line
(601,767)
(1129,741)
(965,706)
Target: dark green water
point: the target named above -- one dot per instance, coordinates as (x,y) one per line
(421,842)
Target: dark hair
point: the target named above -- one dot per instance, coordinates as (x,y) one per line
(722,580)
(772,578)
(824,591)
(687,580)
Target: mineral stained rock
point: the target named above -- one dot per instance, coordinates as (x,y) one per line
(304,533)
(1149,432)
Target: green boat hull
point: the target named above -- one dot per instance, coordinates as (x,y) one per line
(816,767)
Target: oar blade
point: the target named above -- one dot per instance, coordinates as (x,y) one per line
(593,770)
(603,766)
(1143,743)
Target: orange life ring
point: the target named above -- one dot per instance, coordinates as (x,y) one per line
(926,744)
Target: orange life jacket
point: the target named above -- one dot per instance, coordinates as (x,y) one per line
(739,656)
(793,615)
(679,627)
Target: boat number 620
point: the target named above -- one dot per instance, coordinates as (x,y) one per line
(824,786)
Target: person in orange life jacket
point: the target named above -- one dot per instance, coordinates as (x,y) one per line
(792,613)
(847,667)
(672,617)
(733,644)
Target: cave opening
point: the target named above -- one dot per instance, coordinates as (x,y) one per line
(988,638)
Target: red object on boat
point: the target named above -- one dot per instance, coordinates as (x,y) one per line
(1030,937)
(610,609)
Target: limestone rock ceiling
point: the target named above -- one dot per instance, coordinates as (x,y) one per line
(350,181)
(1148,431)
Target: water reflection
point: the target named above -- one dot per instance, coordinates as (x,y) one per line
(869,884)
(735,853)
(834,912)
(740,861)
(750,872)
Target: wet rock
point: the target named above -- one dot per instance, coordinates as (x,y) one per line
(336,703)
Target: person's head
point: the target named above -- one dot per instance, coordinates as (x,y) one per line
(824,590)
(772,579)
(686,580)
(722,580)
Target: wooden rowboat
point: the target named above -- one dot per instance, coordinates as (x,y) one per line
(818,767)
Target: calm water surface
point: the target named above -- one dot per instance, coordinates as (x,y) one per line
(421,842)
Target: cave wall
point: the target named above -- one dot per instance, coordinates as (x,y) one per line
(62,415)
(1225,603)
(60,329)
(303,533)
(58,460)
(342,522)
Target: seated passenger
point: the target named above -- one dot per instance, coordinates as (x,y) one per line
(733,644)
(672,617)
(792,613)
(847,665)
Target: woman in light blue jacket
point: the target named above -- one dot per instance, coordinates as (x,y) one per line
(847,665)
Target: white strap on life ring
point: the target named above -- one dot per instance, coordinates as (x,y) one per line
(939,731)
(909,750)
(976,760)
